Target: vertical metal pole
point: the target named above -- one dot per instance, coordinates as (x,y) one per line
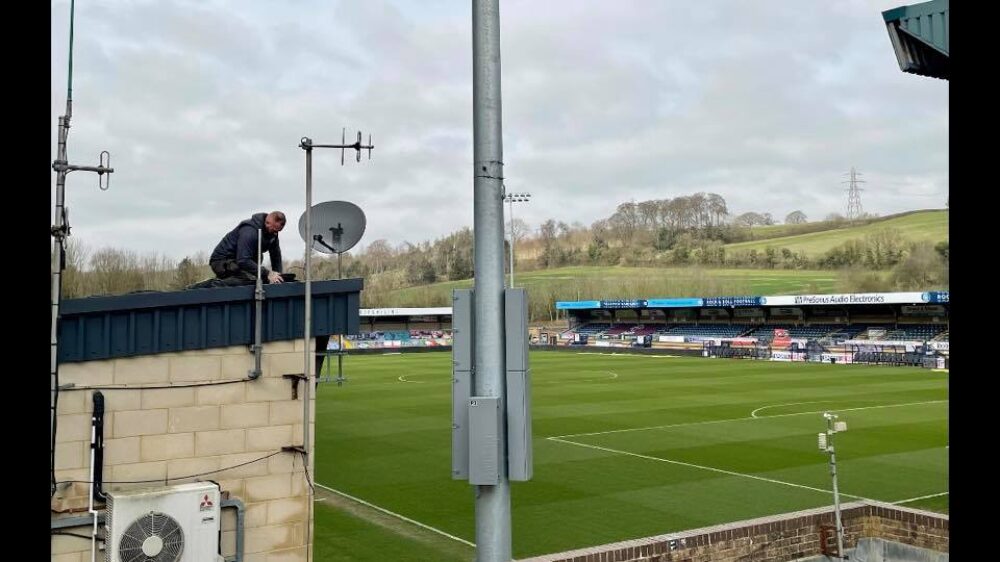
(307,353)
(493,529)
(511,242)
(59,256)
(340,337)
(836,495)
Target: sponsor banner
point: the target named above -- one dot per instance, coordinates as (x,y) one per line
(673,303)
(924,310)
(672,339)
(939,345)
(733,301)
(577,305)
(837,357)
(850,298)
(936,297)
(781,356)
(884,343)
(624,303)
(909,298)
(443,310)
(602,343)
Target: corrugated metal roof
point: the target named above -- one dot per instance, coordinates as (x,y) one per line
(921,38)
(157,322)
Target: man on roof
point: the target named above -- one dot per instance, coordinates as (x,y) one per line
(234,260)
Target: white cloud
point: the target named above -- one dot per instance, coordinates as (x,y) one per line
(202,105)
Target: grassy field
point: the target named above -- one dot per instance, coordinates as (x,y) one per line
(624,447)
(595,282)
(927,225)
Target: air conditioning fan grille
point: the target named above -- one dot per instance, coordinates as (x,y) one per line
(155,537)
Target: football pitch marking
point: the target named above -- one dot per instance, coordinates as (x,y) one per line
(611,375)
(927,497)
(703,467)
(651,355)
(398,516)
(668,426)
(753,414)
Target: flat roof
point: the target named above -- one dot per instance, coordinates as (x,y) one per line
(150,322)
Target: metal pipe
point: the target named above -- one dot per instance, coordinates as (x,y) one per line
(258,348)
(90,509)
(59,256)
(493,527)
(831,432)
(307,351)
(340,337)
(240,513)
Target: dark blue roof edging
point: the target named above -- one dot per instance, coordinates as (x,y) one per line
(137,324)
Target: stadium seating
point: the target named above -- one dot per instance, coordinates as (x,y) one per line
(706,330)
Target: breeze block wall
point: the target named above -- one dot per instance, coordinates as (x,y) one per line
(204,420)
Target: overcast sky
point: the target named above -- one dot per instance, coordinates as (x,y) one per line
(202,105)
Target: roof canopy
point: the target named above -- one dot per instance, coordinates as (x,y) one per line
(920,37)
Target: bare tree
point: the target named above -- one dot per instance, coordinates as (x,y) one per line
(795,217)
(649,213)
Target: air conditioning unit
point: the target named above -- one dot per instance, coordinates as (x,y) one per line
(164,524)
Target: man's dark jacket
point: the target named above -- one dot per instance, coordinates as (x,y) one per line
(241,245)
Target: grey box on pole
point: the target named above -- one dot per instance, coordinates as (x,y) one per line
(485,449)
(516,327)
(461,389)
(519,444)
(519,451)
(462,329)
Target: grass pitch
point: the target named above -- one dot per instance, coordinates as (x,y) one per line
(625,446)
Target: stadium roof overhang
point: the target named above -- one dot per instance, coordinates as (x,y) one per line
(920,37)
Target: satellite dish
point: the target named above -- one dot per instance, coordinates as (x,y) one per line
(336,226)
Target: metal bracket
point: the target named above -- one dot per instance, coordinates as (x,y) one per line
(295,378)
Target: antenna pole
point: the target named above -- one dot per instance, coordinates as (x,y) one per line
(60,232)
(306,144)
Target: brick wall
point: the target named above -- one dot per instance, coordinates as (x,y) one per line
(778,538)
(167,433)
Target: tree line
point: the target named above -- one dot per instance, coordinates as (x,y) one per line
(688,230)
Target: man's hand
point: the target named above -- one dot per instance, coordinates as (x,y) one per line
(275,277)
